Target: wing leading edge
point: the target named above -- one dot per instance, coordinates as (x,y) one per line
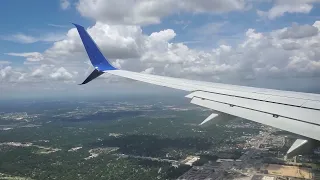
(291,111)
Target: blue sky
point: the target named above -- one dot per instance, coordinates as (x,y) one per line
(37,17)
(33,18)
(208,40)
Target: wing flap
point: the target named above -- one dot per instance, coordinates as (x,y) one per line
(291,112)
(286,100)
(298,127)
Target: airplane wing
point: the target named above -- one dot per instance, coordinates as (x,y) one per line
(291,111)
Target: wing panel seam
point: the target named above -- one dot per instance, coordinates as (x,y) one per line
(300,106)
(232,105)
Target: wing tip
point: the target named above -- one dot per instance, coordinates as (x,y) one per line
(77,25)
(96,57)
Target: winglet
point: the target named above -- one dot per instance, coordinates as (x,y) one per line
(97,59)
(99,62)
(92,76)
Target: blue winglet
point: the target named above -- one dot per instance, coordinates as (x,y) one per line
(97,59)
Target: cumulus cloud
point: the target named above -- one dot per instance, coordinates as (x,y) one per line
(282,7)
(61,74)
(41,71)
(148,71)
(151,11)
(38,73)
(291,46)
(50,72)
(260,54)
(280,10)
(117,41)
(8,74)
(299,31)
(5,72)
(289,52)
(165,35)
(35,74)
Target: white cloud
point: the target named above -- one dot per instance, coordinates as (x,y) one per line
(297,31)
(5,72)
(49,72)
(35,74)
(8,74)
(148,71)
(30,56)
(64,4)
(40,71)
(280,10)
(20,38)
(282,7)
(151,11)
(61,74)
(260,54)
(291,46)
(58,25)
(27,39)
(4,63)
(288,52)
(164,35)
(117,63)
(117,41)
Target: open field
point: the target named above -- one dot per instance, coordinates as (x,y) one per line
(289,171)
